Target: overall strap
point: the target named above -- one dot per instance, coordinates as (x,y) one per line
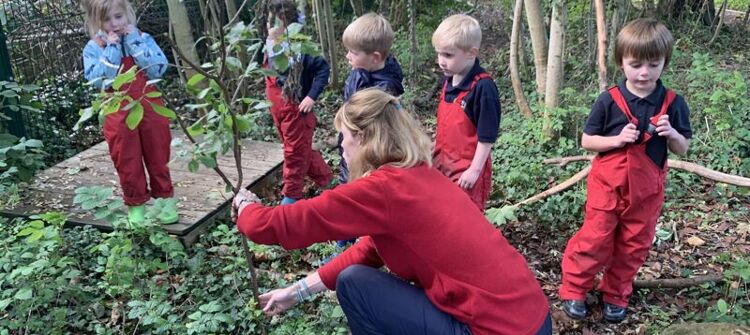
(619,100)
(474,82)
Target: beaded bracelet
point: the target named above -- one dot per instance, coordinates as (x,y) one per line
(302,290)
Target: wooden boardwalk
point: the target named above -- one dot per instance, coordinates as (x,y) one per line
(202,194)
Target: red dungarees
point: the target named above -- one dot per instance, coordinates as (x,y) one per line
(296,132)
(148,143)
(625,194)
(456,143)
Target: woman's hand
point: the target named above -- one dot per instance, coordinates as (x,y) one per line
(241,200)
(278,300)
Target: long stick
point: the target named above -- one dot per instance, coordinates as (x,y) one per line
(677,282)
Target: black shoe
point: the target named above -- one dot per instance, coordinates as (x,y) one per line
(613,313)
(575,309)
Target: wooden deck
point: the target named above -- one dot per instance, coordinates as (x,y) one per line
(202,194)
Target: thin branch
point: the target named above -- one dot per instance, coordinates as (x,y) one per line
(677,282)
(675,164)
(236,15)
(558,188)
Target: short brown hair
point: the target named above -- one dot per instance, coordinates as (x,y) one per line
(644,39)
(97,10)
(390,135)
(369,33)
(285,10)
(459,31)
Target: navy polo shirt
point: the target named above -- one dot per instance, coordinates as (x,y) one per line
(606,119)
(389,79)
(314,77)
(482,105)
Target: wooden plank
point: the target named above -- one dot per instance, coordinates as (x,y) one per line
(202,195)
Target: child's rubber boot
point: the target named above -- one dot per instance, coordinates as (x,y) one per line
(288,201)
(136,214)
(575,309)
(613,313)
(168,213)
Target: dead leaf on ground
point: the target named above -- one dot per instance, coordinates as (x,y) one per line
(695,241)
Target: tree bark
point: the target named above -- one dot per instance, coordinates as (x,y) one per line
(619,14)
(384,8)
(413,43)
(231,9)
(183,36)
(674,164)
(358,7)
(747,15)
(538,32)
(601,45)
(721,14)
(515,78)
(676,282)
(555,64)
(333,60)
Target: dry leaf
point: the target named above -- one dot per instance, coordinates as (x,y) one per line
(695,241)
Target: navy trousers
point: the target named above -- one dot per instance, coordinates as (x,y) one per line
(376,302)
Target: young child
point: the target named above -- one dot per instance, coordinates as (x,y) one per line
(468,116)
(296,121)
(631,127)
(116,45)
(368,41)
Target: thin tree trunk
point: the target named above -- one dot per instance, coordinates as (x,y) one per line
(721,14)
(413,42)
(619,13)
(601,45)
(555,63)
(384,8)
(535,18)
(183,36)
(331,43)
(515,78)
(747,15)
(590,39)
(358,7)
(231,9)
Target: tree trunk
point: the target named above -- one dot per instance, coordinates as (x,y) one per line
(358,7)
(535,18)
(555,64)
(384,8)
(231,8)
(413,42)
(523,105)
(601,45)
(183,36)
(333,60)
(721,14)
(747,15)
(619,15)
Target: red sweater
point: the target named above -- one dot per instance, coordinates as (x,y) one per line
(426,230)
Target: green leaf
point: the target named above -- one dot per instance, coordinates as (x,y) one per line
(193,166)
(163,111)
(153,94)
(196,129)
(281,63)
(208,161)
(124,78)
(135,116)
(203,93)
(195,79)
(722,306)
(234,63)
(4,303)
(24,294)
(294,28)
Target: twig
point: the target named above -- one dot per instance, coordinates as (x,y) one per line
(236,15)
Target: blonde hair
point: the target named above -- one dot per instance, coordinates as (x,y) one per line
(97,10)
(644,39)
(369,33)
(389,134)
(460,31)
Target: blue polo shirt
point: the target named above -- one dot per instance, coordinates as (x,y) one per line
(482,105)
(389,79)
(606,119)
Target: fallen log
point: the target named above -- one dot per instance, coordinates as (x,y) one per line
(677,282)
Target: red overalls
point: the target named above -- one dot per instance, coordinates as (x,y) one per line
(456,143)
(148,143)
(296,131)
(625,194)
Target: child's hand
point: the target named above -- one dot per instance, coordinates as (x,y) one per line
(112,37)
(664,128)
(468,178)
(629,134)
(306,105)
